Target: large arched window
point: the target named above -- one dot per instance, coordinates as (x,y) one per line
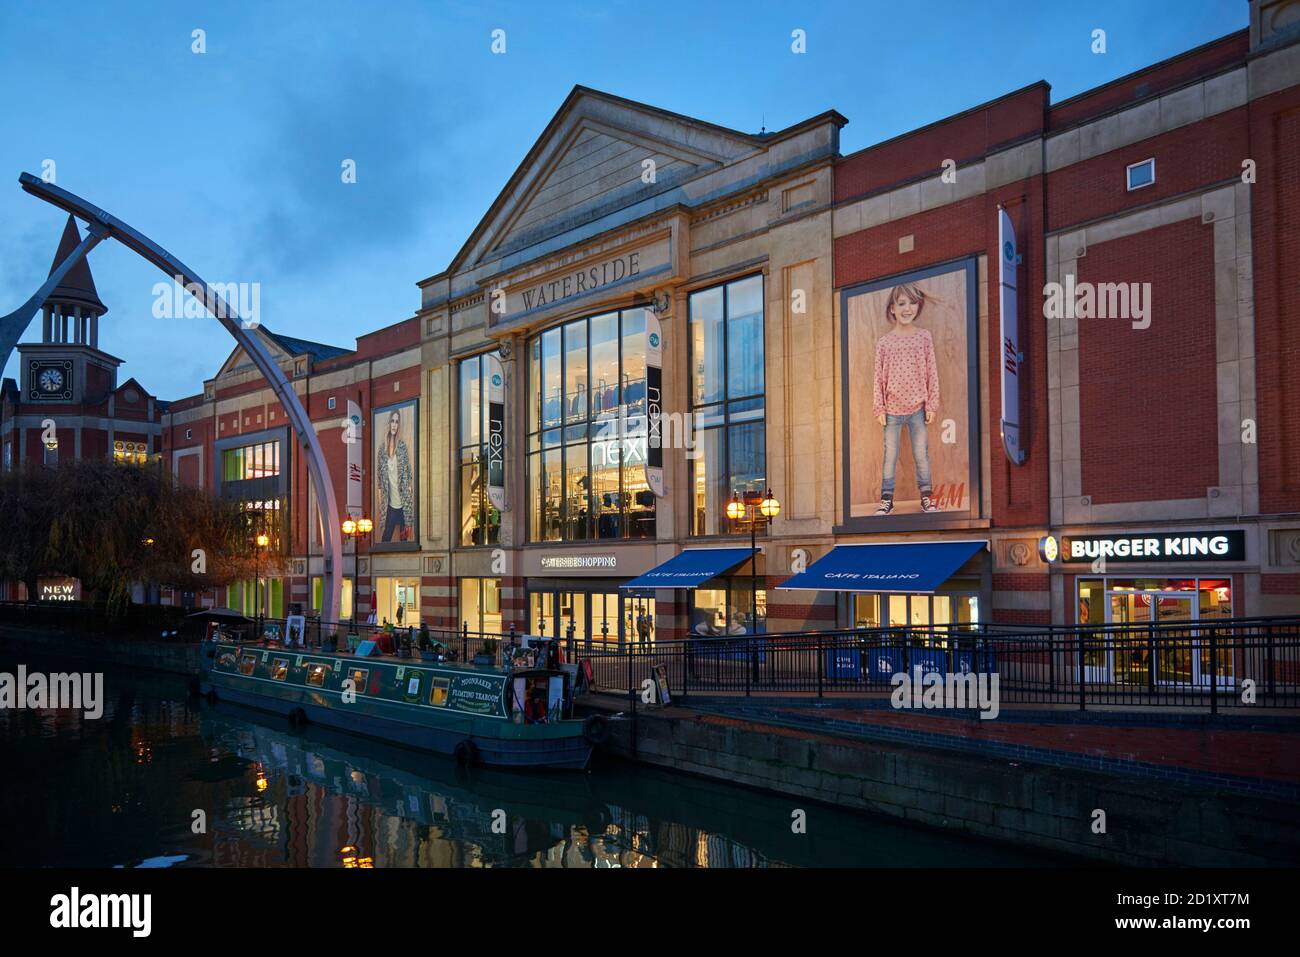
(587,430)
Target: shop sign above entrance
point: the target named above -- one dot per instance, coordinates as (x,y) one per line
(1229,546)
(579,561)
(573,283)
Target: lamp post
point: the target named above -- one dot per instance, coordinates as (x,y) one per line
(751,505)
(351,527)
(261,542)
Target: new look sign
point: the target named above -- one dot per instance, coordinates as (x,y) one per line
(1174,547)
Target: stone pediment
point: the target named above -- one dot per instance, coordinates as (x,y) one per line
(238,359)
(599,154)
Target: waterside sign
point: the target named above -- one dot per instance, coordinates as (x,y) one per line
(580,561)
(573,283)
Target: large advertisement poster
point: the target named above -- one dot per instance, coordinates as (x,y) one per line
(911,424)
(396,457)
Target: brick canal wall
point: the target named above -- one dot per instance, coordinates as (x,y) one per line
(180,657)
(1147,822)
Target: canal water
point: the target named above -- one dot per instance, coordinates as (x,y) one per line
(164,779)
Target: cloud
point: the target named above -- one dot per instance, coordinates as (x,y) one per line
(398,127)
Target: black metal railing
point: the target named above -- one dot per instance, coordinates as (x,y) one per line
(1214,664)
(1210,664)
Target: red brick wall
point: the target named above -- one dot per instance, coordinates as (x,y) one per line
(440,611)
(187,471)
(1275,204)
(1187,158)
(962,138)
(94,444)
(1203,61)
(1148,396)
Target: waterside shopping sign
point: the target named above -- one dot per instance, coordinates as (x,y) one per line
(645,264)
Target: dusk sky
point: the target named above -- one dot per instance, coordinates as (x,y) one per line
(232,158)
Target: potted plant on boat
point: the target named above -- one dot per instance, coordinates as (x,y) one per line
(487,655)
(330,642)
(427,650)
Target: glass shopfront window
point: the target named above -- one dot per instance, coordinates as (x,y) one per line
(480,605)
(265,517)
(955,609)
(1168,655)
(397,602)
(266,599)
(250,462)
(726,389)
(345,596)
(597,617)
(587,431)
(480,523)
(727,610)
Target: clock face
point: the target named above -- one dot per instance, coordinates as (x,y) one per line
(51,380)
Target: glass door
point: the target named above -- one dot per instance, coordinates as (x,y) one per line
(639,617)
(572,612)
(1175,646)
(604,618)
(541,613)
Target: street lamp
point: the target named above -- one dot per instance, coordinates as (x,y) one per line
(351,528)
(261,540)
(751,505)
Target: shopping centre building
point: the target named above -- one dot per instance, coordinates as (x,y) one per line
(1054,339)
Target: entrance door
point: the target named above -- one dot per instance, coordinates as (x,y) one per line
(605,618)
(572,611)
(1182,655)
(639,621)
(1175,647)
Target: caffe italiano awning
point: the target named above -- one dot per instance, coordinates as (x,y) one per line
(690,569)
(899,567)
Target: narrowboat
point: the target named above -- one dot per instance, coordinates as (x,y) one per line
(518,715)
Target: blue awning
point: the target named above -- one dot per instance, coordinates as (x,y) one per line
(691,568)
(904,567)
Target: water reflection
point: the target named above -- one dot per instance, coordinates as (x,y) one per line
(164,780)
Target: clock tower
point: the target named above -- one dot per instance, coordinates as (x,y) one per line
(67,403)
(67,366)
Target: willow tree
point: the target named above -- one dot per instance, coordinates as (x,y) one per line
(111,526)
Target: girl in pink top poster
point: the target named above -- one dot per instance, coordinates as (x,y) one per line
(906,392)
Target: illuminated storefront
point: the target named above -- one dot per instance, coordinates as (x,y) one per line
(1159,578)
(397,601)
(587,430)
(480,605)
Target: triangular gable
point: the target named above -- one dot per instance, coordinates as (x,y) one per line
(590,160)
(133,383)
(238,358)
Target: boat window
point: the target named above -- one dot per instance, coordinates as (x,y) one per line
(247,664)
(226,659)
(279,669)
(316,674)
(438,696)
(360,678)
(413,685)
